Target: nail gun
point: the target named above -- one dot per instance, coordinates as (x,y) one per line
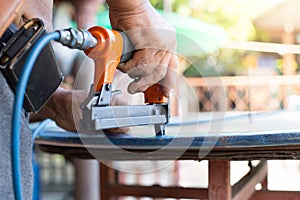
(111,48)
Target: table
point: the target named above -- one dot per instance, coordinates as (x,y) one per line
(218,137)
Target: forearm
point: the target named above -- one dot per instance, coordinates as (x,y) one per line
(135,14)
(125,5)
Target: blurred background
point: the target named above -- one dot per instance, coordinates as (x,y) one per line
(250,45)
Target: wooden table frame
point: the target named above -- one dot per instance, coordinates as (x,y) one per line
(276,144)
(219,186)
(219,176)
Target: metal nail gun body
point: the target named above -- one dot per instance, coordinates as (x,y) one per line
(112,48)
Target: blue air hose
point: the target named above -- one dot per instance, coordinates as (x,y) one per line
(17,109)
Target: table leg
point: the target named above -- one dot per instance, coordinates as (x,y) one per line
(87,181)
(219,187)
(107,178)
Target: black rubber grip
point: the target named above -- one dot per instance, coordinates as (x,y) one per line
(128,48)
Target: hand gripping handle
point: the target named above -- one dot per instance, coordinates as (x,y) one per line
(154,93)
(115,47)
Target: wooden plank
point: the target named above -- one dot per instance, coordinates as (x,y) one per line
(219,187)
(264,129)
(245,188)
(157,191)
(269,153)
(244,81)
(269,136)
(265,46)
(227,141)
(276,195)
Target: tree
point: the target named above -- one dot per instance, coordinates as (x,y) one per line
(235,16)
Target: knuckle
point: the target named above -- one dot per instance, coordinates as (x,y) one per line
(122,67)
(142,67)
(160,74)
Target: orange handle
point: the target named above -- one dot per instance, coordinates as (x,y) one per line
(154,95)
(106,55)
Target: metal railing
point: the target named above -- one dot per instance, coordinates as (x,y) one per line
(244,93)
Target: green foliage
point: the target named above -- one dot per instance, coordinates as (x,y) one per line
(158,4)
(231,62)
(202,66)
(235,16)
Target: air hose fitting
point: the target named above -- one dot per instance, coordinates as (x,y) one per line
(77,39)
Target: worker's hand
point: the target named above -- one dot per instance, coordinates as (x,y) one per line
(63,108)
(154,39)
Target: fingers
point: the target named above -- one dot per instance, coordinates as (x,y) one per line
(148,65)
(139,64)
(170,79)
(160,70)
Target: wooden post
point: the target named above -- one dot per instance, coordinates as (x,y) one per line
(219,187)
(289,60)
(107,179)
(87,179)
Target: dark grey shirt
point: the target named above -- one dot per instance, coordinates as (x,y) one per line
(6,184)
